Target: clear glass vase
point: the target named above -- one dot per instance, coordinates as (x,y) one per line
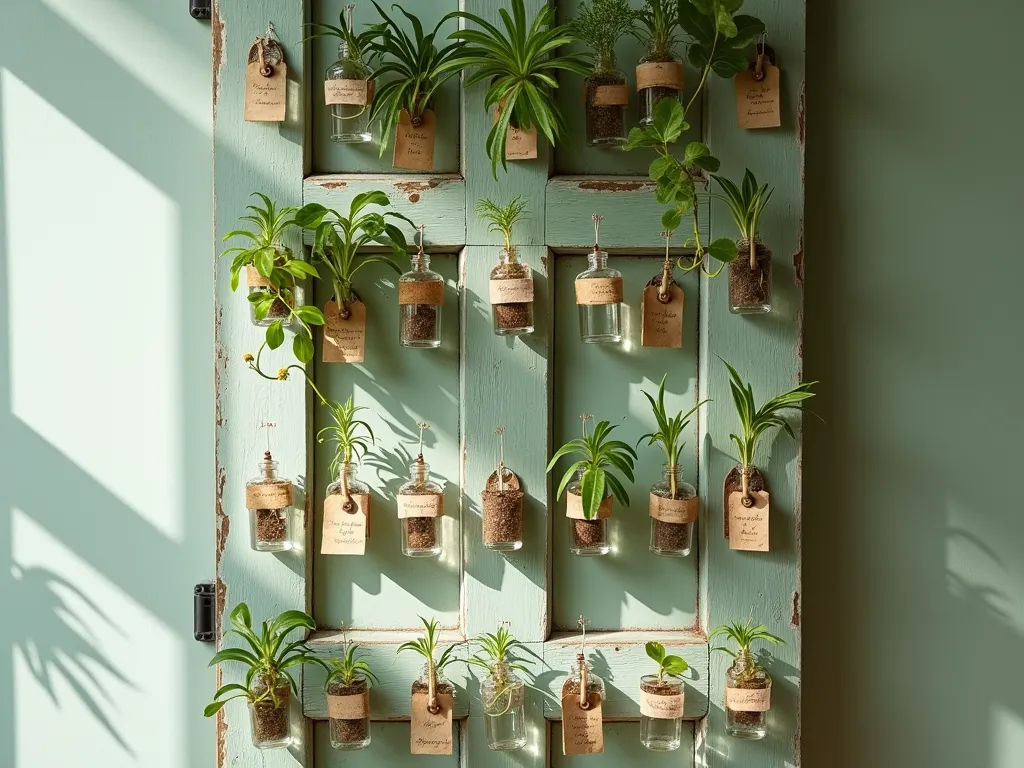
(606,99)
(661,718)
(587,538)
(349,83)
(349,733)
(750,281)
(663,74)
(421,297)
(673,507)
(269,500)
(747,698)
(421,505)
(511,293)
(270,718)
(599,298)
(503,696)
(258,284)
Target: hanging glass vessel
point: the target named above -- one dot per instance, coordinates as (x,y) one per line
(269,500)
(599,297)
(673,510)
(348,91)
(748,690)
(420,298)
(503,696)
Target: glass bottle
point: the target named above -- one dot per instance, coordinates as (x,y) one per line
(600,302)
(350,122)
(421,296)
(269,500)
(270,718)
(348,733)
(422,683)
(747,698)
(665,73)
(594,685)
(606,98)
(503,519)
(587,538)
(504,702)
(750,280)
(672,529)
(661,733)
(259,284)
(512,280)
(421,536)
(347,483)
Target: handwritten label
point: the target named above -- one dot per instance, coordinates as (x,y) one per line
(431,734)
(355,92)
(582,732)
(420,505)
(599,290)
(574,507)
(268,496)
(673,510)
(353,707)
(661,707)
(758,102)
(748,699)
(345,531)
(748,526)
(515,291)
(421,292)
(266,98)
(414,144)
(661,325)
(659,74)
(520,144)
(610,96)
(344,338)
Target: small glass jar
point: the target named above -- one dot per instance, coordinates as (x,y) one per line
(349,733)
(271,718)
(665,73)
(258,284)
(420,296)
(659,730)
(503,696)
(511,292)
(607,97)
(587,538)
(269,500)
(747,698)
(672,534)
(750,281)
(600,301)
(421,535)
(503,519)
(595,685)
(350,122)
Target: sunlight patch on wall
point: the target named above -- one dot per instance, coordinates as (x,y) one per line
(1007,741)
(92,249)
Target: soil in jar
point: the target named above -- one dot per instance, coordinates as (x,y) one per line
(270,723)
(671,536)
(660,688)
(649,97)
(588,533)
(511,316)
(503,516)
(604,122)
(571,687)
(751,719)
(420,323)
(443,686)
(348,731)
(750,287)
(271,525)
(421,532)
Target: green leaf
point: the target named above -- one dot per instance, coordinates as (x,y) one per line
(695,150)
(671,219)
(302,347)
(655,651)
(668,119)
(660,166)
(275,335)
(265,261)
(592,491)
(310,314)
(723,21)
(300,269)
(723,249)
(311,215)
(674,665)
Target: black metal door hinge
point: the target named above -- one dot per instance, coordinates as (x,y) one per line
(199,9)
(204,612)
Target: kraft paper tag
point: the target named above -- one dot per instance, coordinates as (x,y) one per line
(420,505)
(266,98)
(610,96)
(268,496)
(661,707)
(582,732)
(345,531)
(661,325)
(599,290)
(519,144)
(354,92)
(414,144)
(659,74)
(431,734)
(344,339)
(748,526)
(421,292)
(518,290)
(353,707)
(748,699)
(758,102)
(574,507)
(673,510)
(254,279)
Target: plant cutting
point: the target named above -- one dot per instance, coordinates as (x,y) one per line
(673,503)
(432,693)
(748,686)
(502,505)
(503,693)
(420,508)
(600,24)
(591,483)
(415,68)
(511,285)
(268,682)
(750,275)
(520,71)
(347,688)
(659,74)
(661,701)
(271,272)
(343,533)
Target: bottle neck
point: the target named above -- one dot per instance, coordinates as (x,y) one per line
(605,61)
(268,468)
(419,472)
(598,259)
(347,472)
(509,256)
(673,473)
(420,262)
(744,661)
(343,50)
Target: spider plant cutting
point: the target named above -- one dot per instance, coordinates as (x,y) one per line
(659,74)
(750,279)
(591,483)
(748,685)
(271,272)
(503,693)
(352,438)
(519,66)
(511,284)
(268,682)
(432,681)
(347,689)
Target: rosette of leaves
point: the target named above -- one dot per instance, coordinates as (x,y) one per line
(349,668)
(497,655)
(744,635)
(658,27)
(746,203)
(426,647)
(415,66)
(352,436)
(520,70)
(673,666)
(274,262)
(670,429)
(600,25)
(269,659)
(599,455)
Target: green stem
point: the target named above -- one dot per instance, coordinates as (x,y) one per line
(704,74)
(255,366)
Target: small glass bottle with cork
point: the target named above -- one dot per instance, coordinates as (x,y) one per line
(268,498)
(599,296)
(421,507)
(420,299)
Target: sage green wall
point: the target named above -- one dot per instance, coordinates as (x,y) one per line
(912,531)
(106,393)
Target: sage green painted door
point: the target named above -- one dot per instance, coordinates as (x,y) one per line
(536,386)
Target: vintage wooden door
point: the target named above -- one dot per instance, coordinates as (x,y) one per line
(536,386)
